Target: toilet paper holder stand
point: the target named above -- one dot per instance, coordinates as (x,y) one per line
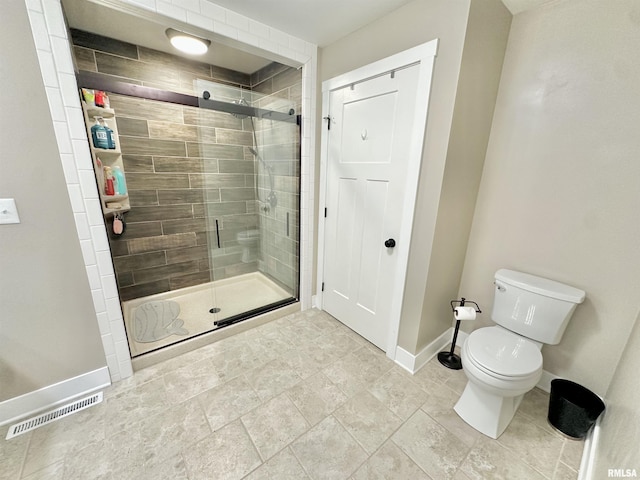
(450,359)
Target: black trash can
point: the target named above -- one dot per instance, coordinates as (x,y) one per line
(573,409)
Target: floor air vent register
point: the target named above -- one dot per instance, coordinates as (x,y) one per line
(53,415)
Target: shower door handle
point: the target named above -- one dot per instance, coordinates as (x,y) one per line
(390,243)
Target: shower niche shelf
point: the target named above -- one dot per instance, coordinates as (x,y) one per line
(108,158)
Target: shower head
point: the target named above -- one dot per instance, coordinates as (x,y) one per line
(268,167)
(240,101)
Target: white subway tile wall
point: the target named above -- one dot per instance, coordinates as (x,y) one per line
(54,55)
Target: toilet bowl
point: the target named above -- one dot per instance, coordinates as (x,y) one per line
(501,367)
(503,362)
(248,240)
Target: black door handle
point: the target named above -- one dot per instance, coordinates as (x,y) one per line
(390,243)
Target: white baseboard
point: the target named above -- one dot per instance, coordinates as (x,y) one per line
(57,394)
(545,381)
(405,359)
(413,363)
(589,451)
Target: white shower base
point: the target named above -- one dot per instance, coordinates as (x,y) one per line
(232,296)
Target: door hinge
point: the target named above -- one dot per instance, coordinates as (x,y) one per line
(322,288)
(325,212)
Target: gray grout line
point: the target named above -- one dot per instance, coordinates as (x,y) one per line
(24,457)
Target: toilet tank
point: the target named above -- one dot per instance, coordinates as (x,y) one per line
(534,307)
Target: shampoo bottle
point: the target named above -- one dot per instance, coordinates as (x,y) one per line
(110,140)
(99,136)
(121,185)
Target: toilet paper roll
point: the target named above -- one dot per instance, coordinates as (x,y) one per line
(464,313)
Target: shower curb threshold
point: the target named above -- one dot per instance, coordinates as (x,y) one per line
(172,351)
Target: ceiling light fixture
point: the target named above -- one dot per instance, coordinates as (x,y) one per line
(188,43)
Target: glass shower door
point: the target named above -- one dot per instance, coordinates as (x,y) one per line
(278,184)
(252,213)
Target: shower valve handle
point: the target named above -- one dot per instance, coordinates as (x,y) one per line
(390,243)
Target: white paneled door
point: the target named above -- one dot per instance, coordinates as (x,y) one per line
(368,144)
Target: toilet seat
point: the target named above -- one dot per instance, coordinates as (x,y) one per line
(502,354)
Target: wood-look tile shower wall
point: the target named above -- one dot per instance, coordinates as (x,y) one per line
(185,168)
(280,147)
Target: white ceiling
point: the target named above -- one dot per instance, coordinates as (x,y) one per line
(324,21)
(100,19)
(519,6)
(321,22)
(317,21)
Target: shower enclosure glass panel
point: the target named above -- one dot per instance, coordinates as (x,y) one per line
(253,232)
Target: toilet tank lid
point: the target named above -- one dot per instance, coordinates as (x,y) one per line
(541,286)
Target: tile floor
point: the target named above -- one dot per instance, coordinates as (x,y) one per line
(301,397)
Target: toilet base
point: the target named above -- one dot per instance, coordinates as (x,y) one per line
(488,413)
(249,255)
(248,240)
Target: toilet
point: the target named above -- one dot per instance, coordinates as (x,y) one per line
(248,240)
(503,362)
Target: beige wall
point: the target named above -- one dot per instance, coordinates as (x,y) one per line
(620,432)
(413,24)
(559,194)
(483,54)
(48,329)
(455,143)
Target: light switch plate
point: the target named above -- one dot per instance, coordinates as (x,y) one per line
(8,211)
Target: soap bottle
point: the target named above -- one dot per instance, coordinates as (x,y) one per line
(109,187)
(110,140)
(99,135)
(121,185)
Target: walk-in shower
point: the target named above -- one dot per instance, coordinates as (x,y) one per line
(213,184)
